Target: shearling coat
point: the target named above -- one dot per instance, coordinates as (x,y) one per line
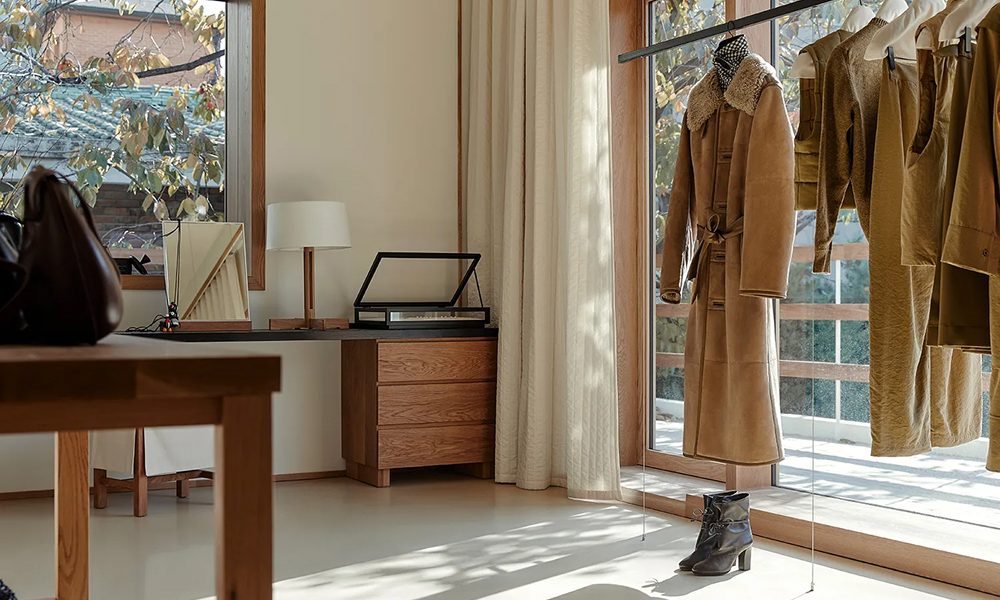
(730,227)
(973,239)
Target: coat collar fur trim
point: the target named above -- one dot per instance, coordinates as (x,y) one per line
(752,76)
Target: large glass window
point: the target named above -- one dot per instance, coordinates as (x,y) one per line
(128,99)
(824,329)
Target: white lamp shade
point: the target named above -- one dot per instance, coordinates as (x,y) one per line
(316,224)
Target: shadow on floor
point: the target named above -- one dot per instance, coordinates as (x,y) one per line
(604,592)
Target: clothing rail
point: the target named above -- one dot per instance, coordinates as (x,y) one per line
(728,26)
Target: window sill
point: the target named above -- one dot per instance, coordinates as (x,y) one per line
(961,554)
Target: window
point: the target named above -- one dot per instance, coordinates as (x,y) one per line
(129,99)
(824,334)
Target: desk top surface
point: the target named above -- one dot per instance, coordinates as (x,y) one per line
(126,366)
(266,335)
(121,350)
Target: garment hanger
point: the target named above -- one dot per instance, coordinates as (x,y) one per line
(966,14)
(899,34)
(891,9)
(805,68)
(730,37)
(859,16)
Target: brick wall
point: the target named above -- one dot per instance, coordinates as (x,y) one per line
(118,207)
(85,35)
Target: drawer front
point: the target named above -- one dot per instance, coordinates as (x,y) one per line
(401,362)
(436,403)
(430,446)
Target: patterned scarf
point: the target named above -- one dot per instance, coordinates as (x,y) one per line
(728,56)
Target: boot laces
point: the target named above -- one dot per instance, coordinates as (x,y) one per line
(718,527)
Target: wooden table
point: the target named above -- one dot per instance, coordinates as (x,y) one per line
(127,382)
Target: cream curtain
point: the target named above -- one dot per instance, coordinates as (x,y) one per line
(539,209)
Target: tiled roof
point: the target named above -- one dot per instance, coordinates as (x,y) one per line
(95,125)
(141,6)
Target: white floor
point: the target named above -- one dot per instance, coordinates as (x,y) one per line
(430,536)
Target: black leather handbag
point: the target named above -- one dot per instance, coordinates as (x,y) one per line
(6,593)
(63,287)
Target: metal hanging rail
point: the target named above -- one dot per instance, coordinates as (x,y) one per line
(728,26)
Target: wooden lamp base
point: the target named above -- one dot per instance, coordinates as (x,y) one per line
(320,324)
(309,320)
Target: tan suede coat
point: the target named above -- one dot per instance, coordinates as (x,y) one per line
(730,227)
(973,239)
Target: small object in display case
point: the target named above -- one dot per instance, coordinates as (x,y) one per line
(419,290)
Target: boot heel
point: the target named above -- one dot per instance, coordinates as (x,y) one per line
(745,560)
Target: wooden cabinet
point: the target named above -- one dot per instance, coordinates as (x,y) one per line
(418,403)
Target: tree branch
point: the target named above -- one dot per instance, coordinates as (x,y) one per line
(53,8)
(194,64)
(17,93)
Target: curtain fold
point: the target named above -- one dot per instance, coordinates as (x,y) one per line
(539,209)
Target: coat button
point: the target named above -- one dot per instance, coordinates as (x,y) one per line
(986,252)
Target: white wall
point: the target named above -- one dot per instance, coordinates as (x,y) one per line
(361,108)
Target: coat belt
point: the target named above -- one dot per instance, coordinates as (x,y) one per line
(709,234)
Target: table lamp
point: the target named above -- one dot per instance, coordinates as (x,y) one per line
(308,226)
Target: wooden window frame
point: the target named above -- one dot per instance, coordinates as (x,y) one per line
(859,540)
(253,213)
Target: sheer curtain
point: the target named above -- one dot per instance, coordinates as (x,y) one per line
(539,209)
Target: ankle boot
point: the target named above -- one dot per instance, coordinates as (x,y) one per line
(708,516)
(729,537)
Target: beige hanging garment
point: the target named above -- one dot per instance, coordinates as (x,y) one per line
(911,399)
(959,298)
(807,138)
(973,239)
(949,412)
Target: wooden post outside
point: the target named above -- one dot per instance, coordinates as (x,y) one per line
(243,495)
(72,515)
(759,35)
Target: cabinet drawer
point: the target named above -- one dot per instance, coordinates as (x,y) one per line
(436,403)
(429,446)
(449,360)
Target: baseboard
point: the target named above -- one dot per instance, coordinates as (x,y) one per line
(309,475)
(26,495)
(281,478)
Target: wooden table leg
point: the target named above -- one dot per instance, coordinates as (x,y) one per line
(100,488)
(140,483)
(243,503)
(72,512)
